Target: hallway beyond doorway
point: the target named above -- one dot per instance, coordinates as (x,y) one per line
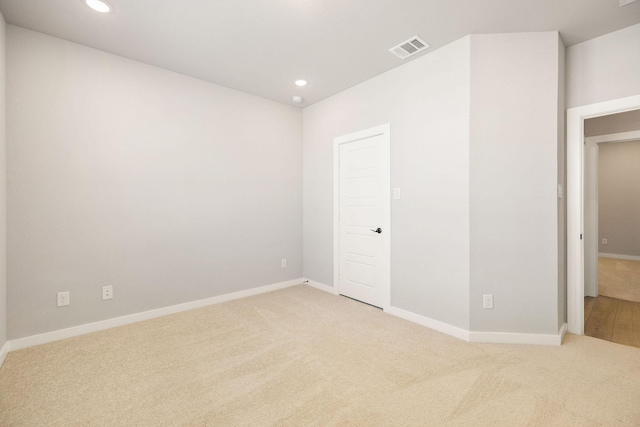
(619,278)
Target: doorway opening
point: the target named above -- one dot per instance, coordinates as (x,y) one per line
(611,228)
(576,157)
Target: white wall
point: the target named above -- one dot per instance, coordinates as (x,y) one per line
(477,146)
(515,97)
(169,188)
(619,198)
(604,68)
(426,102)
(125,174)
(3,192)
(613,123)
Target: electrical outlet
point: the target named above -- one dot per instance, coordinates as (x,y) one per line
(107,292)
(605,242)
(63,298)
(487,301)
(283,263)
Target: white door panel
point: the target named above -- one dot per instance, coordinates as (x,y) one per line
(362,162)
(356,243)
(360,216)
(359,273)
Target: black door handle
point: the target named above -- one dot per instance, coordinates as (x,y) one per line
(378,230)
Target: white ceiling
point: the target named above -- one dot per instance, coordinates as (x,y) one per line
(262,46)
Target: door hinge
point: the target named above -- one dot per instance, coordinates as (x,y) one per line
(580,236)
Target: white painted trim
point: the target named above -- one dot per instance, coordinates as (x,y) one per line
(481,337)
(454,331)
(463,334)
(385,131)
(575,246)
(614,137)
(575,171)
(562,332)
(47,337)
(436,325)
(326,288)
(590,217)
(517,338)
(618,256)
(3,352)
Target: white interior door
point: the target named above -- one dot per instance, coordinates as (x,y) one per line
(364,216)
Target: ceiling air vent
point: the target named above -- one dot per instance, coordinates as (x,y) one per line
(410,47)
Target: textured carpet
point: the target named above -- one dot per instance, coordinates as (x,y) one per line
(300,356)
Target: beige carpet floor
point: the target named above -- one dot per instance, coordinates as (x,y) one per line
(301,357)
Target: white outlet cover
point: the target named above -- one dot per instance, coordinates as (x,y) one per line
(63,298)
(107,292)
(487,301)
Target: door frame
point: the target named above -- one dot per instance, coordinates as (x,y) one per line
(591,232)
(590,217)
(575,200)
(384,131)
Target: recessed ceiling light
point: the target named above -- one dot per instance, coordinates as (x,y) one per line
(297,99)
(301,83)
(99,6)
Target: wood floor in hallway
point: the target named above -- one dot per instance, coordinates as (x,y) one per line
(612,319)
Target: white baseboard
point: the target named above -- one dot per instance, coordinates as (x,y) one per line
(463,334)
(562,332)
(30,341)
(519,338)
(3,352)
(436,325)
(628,257)
(331,289)
(445,328)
